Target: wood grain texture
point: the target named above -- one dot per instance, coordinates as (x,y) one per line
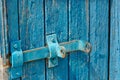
(1,25)
(5,29)
(3,41)
(3,35)
(31,23)
(78,29)
(114,73)
(56,22)
(12,17)
(99,39)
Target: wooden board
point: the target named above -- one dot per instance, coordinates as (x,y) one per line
(99,39)
(31,23)
(12,17)
(78,29)
(114,73)
(56,22)
(3,32)
(31,20)
(3,41)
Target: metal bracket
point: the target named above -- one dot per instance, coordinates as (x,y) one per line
(16,60)
(55,51)
(52,52)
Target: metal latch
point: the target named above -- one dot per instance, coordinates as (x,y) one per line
(51,52)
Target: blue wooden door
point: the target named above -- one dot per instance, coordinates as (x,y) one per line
(95,21)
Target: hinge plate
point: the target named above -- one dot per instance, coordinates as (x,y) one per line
(16,60)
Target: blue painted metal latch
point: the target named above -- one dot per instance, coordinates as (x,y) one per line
(51,52)
(16,60)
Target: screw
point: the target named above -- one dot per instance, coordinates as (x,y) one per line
(53,40)
(15,46)
(88,48)
(17,74)
(63,52)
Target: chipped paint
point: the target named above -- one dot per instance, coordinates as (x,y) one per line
(3,71)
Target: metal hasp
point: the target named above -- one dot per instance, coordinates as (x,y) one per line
(55,50)
(16,60)
(51,52)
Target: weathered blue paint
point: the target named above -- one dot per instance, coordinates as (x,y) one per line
(1,22)
(31,20)
(12,21)
(16,54)
(78,29)
(3,32)
(71,46)
(56,22)
(52,52)
(16,60)
(99,39)
(114,73)
(31,23)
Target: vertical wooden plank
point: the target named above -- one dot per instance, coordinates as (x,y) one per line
(114,73)
(3,41)
(5,28)
(1,62)
(1,25)
(12,17)
(78,29)
(2,32)
(56,22)
(99,39)
(31,22)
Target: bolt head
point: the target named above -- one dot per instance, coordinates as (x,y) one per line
(53,40)
(17,74)
(15,46)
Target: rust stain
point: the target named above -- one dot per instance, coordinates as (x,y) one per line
(63,52)
(88,48)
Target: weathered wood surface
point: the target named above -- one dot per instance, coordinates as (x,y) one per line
(31,20)
(3,41)
(1,20)
(12,21)
(31,25)
(114,73)
(99,39)
(3,32)
(78,29)
(56,22)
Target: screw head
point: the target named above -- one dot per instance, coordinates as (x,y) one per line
(53,40)
(17,74)
(63,52)
(88,48)
(15,46)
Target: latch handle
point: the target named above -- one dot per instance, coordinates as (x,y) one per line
(52,51)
